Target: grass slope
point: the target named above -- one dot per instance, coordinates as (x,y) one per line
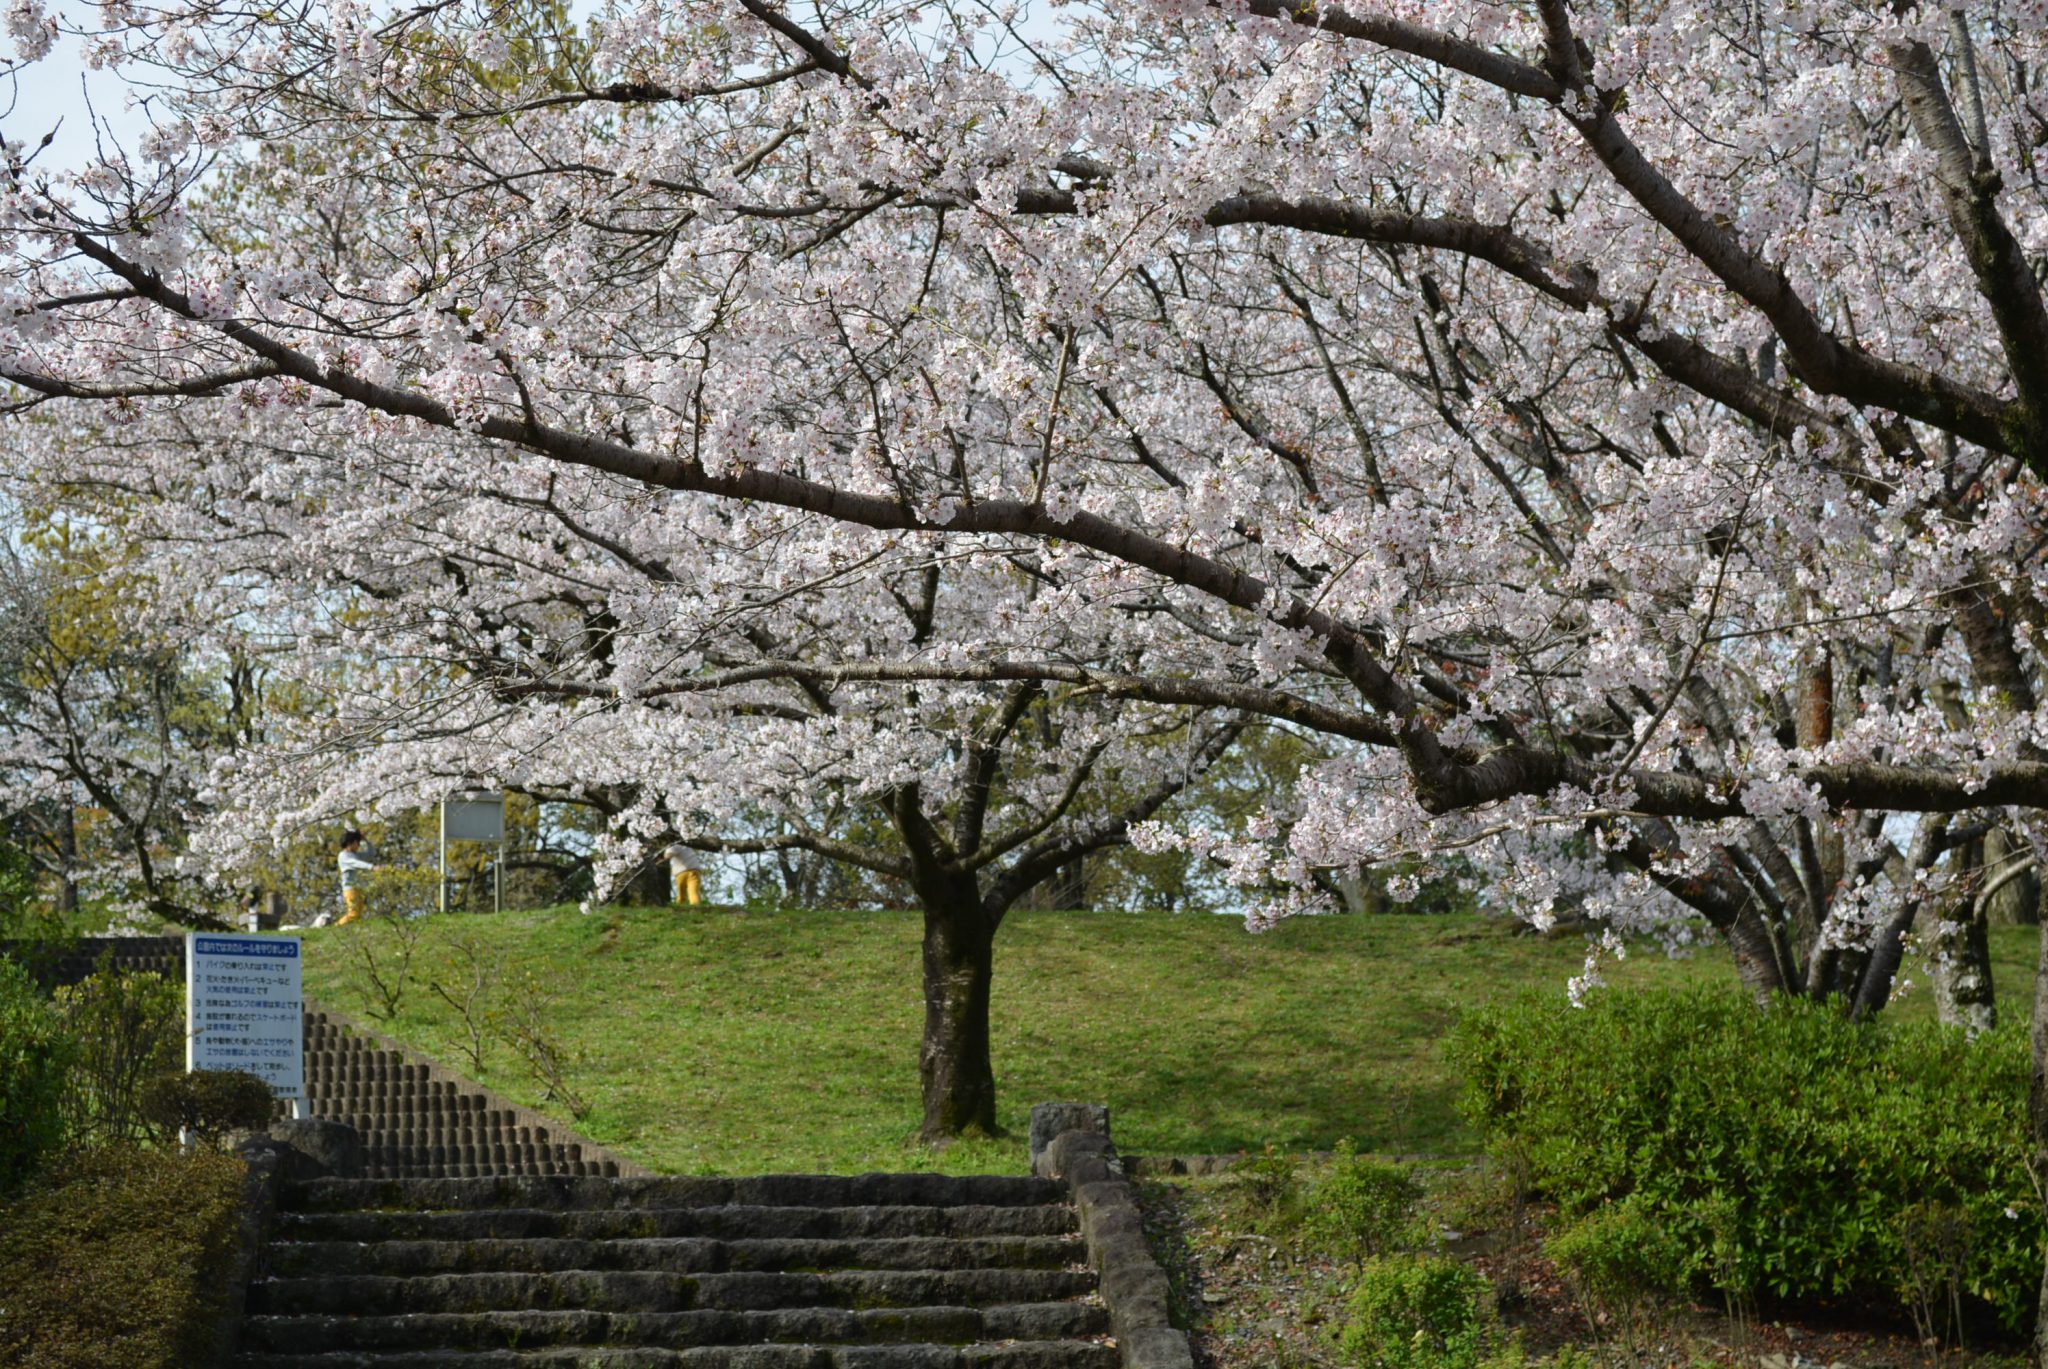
(730,1042)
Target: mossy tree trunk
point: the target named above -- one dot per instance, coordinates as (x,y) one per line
(956,1071)
(955,1067)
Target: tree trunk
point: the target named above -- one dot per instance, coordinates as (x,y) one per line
(1762,960)
(954,1065)
(1359,893)
(649,885)
(67,857)
(1961,969)
(1880,971)
(2018,903)
(1068,889)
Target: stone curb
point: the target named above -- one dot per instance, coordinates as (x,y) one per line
(266,1159)
(1203,1166)
(1133,1285)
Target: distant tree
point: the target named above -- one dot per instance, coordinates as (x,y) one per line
(110,714)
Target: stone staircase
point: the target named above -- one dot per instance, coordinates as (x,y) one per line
(879,1271)
(419,1121)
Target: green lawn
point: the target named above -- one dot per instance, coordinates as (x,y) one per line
(728,1041)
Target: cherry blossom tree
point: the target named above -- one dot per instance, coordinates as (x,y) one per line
(578,663)
(1617,428)
(107,726)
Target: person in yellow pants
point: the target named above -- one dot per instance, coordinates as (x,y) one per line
(352,864)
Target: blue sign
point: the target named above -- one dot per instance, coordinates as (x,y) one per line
(285,947)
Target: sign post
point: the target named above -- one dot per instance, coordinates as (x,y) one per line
(475,815)
(245,1010)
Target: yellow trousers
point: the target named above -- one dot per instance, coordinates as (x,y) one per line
(351,906)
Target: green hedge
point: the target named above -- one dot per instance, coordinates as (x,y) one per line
(117,1260)
(1786,1150)
(35,1060)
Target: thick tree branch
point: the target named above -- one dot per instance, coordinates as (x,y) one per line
(1970,189)
(865,857)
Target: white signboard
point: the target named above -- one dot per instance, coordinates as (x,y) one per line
(244,1009)
(473,816)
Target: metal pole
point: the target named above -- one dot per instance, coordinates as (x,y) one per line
(444,855)
(498,881)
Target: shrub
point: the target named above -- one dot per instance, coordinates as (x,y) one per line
(1619,1258)
(383,949)
(208,1103)
(1935,1241)
(1270,1184)
(526,1021)
(114,1260)
(1418,1312)
(1778,1148)
(1361,1207)
(127,1027)
(35,1058)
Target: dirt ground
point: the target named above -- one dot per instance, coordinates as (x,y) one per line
(1253,1302)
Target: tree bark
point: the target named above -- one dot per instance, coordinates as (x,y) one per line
(649,886)
(954,1064)
(67,857)
(1961,969)
(2018,903)
(1068,888)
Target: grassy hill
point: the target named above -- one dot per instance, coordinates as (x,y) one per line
(731,1041)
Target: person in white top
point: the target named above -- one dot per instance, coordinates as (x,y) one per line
(351,863)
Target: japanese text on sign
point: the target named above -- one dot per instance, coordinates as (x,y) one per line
(244,1008)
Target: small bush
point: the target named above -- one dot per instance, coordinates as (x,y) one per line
(527,1021)
(1361,1207)
(1269,1184)
(128,1027)
(209,1104)
(114,1260)
(1620,1259)
(383,949)
(35,1060)
(1777,1148)
(1935,1240)
(1418,1312)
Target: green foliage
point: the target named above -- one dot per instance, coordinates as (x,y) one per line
(35,1058)
(382,950)
(1935,1240)
(529,1021)
(126,1027)
(1361,1207)
(1620,1258)
(114,1261)
(208,1103)
(1418,1312)
(22,910)
(1270,1184)
(1778,1148)
(1201,1038)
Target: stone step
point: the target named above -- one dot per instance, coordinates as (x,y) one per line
(716,1223)
(677,1255)
(673,1330)
(586,1290)
(1056,1354)
(763,1190)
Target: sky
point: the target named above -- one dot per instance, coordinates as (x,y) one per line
(58,93)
